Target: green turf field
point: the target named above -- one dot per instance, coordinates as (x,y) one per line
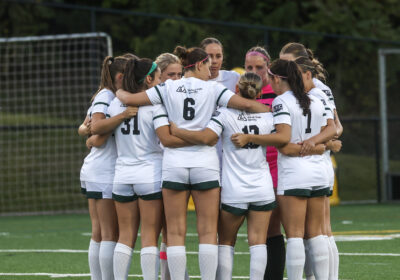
(368,240)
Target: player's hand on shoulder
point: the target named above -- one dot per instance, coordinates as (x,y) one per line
(130,112)
(240,139)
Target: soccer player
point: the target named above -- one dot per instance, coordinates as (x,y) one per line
(190,103)
(292,51)
(247,189)
(97,173)
(257,60)
(302,184)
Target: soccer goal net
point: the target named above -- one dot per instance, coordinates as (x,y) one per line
(46,83)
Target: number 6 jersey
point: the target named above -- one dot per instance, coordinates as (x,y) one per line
(190,103)
(139,153)
(245,173)
(307,171)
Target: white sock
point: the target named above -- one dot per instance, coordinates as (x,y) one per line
(225,262)
(258,261)
(320,257)
(164,262)
(335,256)
(208,261)
(122,261)
(106,255)
(177,261)
(331,259)
(295,258)
(150,261)
(94,262)
(308,271)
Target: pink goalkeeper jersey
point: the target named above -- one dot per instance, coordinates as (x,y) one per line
(267,96)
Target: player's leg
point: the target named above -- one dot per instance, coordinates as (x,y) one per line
(126,205)
(314,237)
(164,271)
(206,195)
(293,214)
(258,219)
(94,246)
(333,251)
(151,212)
(231,217)
(175,197)
(276,248)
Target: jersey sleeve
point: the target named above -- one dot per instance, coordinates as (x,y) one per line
(160,116)
(216,123)
(269,119)
(328,110)
(222,94)
(156,93)
(281,112)
(101,102)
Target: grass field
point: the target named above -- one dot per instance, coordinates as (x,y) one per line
(368,238)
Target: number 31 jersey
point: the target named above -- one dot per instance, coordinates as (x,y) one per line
(190,103)
(245,173)
(307,171)
(139,153)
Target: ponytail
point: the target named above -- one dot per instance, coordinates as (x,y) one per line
(321,73)
(111,67)
(289,71)
(190,57)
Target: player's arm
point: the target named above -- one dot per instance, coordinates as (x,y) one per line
(202,137)
(97,140)
(137,99)
(240,103)
(334,145)
(278,139)
(84,128)
(327,133)
(338,124)
(102,125)
(169,140)
(293,150)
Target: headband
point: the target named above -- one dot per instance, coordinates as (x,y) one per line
(256,53)
(190,65)
(272,74)
(153,67)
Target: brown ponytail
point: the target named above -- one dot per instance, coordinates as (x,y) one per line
(111,67)
(136,71)
(189,57)
(289,71)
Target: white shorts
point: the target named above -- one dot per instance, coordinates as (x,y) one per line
(131,192)
(240,209)
(195,178)
(97,190)
(304,191)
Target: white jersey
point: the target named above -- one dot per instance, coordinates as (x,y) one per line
(139,153)
(321,95)
(99,164)
(228,79)
(298,172)
(326,90)
(190,103)
(245,176)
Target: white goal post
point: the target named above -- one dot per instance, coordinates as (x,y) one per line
(46,83)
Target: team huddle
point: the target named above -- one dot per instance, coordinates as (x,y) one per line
(254,146)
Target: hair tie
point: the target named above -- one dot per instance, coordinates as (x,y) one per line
(153,67)
(111,60)
(190,65)
(272,74)
(256,53)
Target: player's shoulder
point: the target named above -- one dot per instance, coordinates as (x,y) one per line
(104,95)
(322,86)
(229,74)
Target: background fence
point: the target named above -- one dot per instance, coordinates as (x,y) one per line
(351,63)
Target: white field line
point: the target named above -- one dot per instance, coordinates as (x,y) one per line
(188,253)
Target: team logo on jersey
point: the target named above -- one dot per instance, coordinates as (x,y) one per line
(181,89)
(327,92)
(277,108)
(216,113)
(242,117)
